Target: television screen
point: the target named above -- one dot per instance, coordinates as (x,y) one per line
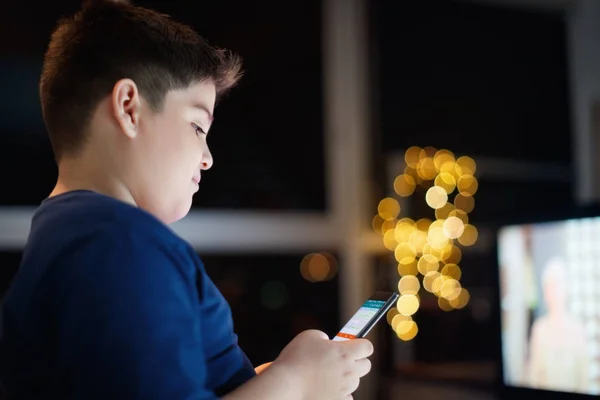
(550,305)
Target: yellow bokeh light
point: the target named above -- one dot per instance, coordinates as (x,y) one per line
(437,284)
(462,300)
(409,268)
(388,208)
(452,270)
(404,253)
(391,314)
(469,236)
(453,228)
(418,240)
(398,318)
(402,325)
(426,169)
(318,267)
(427,263)
(423,224)
(444,212)
(436,238)
(403,230)
(407,220)
(412,172)
(408,304)
(455,255)
(428,280)
(411,156)
(446,181)
(436,197)
(448,167)
(442,157)
(444,304)
(389,241)
(404,185)
(409,284)
(465,166)
(377,223)
(441,253)
(427,152)
(407,330)
(388,225)
(464,203)
(427,247)
(460,214)
(467,185)
(450,289)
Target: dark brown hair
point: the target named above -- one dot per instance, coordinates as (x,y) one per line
(107,41)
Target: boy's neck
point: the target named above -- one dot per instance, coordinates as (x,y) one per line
(77,175)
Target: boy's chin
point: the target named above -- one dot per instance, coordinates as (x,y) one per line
(179,212)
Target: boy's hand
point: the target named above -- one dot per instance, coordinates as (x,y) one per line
(325,369)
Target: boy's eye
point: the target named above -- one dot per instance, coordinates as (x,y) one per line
(198,130)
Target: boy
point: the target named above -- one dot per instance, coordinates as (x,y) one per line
(108,302)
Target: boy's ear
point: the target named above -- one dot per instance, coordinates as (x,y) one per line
(126,105)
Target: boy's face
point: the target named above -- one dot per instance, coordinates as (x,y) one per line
(170,152)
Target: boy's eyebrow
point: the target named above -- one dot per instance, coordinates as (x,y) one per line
(204,108)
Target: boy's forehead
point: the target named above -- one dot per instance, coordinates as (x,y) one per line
(201,96)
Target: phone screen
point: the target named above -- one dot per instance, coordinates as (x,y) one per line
(365,317)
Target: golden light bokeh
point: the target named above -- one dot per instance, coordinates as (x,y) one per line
(409,284)
(454,256)
(423,224)
(391,314)
(436,197)
(411,156)
(388,208)
(427,263)
(452,270)
(444,212)
(405,253)
(408,268)
(389,241)
(467,185)
(453,227)
(460,214)
(428,280)
(404,185)
(407,330)
(377,223)
(443,157)
(318,267)
(427,250)
(462,300)
(388,225)
(398,318)
(408,304)
(426,169)
(446,181)
(403,230)
(469,236)
(465,166)
(464,203)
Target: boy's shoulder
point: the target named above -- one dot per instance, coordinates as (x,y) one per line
(85,212)
(68,222)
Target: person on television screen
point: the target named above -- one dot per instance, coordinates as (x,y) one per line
(557,349)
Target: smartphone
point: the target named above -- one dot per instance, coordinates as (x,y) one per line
(367,316)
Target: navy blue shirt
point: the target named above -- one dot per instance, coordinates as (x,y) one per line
(110,304)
